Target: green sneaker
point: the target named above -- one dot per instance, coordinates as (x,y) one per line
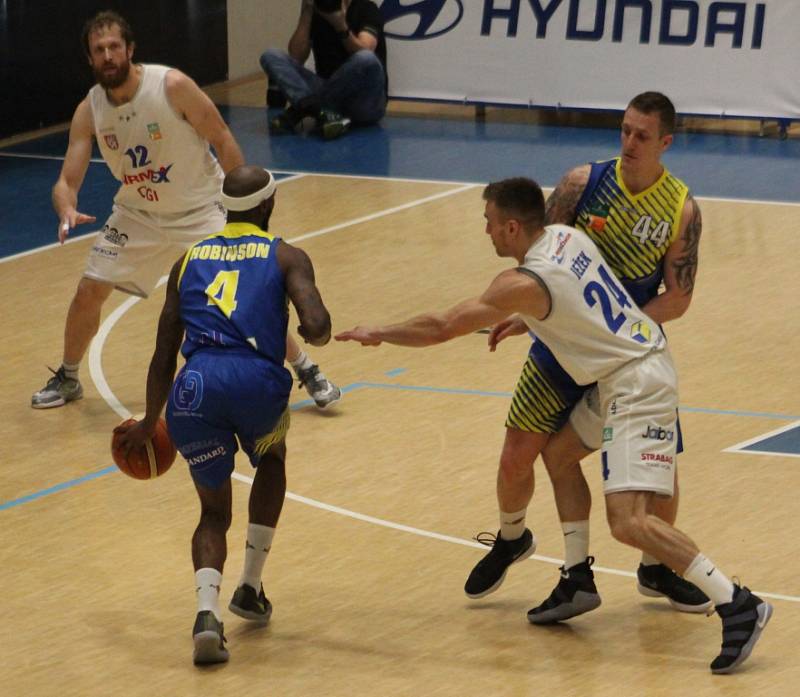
(209,640)
(251,605)
(332,124)
(58,391)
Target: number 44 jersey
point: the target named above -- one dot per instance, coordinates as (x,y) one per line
(594,327)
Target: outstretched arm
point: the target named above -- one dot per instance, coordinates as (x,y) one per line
(73,171)
(510,292)
(315,321)
(162,366)
(680,268)
(562,205)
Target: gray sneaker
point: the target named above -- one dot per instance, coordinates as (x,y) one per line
(251,605)
(209,639)
(58,391)
(322,391)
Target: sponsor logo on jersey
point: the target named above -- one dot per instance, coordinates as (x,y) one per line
(114,236)
(206,456)
(656,457)
(641,332)
(608,435)
(558,255)
(154,131)
(111,141)
(423,19)
(155,176)
(658,433)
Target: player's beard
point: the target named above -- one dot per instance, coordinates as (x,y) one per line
(112,80)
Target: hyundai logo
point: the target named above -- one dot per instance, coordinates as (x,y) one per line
(424,19)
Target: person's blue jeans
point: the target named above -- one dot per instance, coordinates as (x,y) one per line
(357,89)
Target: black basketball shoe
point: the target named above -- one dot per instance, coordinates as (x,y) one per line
(489,572)
(574,595)
(743,620)
(659,581)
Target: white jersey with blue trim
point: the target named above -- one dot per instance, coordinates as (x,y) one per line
(163,165)
(593,327)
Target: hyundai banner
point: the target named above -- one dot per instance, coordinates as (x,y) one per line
(714,58)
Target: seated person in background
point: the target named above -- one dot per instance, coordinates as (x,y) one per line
(346,37)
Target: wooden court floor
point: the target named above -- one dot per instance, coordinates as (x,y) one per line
(374,544)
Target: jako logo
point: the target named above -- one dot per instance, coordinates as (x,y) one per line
(433,18)
(659,433)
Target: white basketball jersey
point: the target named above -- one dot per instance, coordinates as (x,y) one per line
(593,327)
(162,163)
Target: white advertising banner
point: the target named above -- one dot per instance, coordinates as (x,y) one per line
(714,58)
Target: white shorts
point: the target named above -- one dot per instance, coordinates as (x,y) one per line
(632,416)
(135,248)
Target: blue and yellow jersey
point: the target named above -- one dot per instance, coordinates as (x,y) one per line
(633,232)
(233,293)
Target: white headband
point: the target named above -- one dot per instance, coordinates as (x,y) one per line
(245,203)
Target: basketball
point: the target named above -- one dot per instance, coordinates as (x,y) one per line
(150,461)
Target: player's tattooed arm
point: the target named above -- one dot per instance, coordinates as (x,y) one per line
(562,205)
(685,265)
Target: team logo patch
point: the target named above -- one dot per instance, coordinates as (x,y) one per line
(111,141)
(154,131)
(641,332)
(598,215)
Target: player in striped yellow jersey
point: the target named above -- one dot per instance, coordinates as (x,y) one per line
(647,227)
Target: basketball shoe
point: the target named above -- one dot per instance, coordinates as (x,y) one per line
(251,605)
(743,620)
(574,595)
(58,391)
(332,124)
(490,572)
(659,581)
(322,391)
(209,640)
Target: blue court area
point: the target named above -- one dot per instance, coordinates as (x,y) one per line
(787,442)
(445,149)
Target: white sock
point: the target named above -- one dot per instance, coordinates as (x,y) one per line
(259,541)
(576,542)
(709,579)
(302,362)
(647,560)
(512,525)
(71,370)
(208,582)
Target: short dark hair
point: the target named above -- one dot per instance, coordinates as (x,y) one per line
(520,198)
(103,19)
(655,102)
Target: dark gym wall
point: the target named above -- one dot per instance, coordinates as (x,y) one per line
(43,69)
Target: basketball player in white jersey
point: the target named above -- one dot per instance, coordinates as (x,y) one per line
(567,294)
(153,126)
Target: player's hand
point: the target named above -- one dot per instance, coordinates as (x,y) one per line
(134,436)
(512,326)
(366,336)
(70,220)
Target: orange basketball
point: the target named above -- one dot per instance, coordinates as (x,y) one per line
(150,461)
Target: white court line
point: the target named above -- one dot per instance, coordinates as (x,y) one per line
(456,540)
(739,447)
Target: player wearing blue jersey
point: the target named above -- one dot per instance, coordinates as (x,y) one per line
(565,291)
(227,302)
(647,226)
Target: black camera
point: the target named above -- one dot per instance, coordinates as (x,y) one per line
(328,5)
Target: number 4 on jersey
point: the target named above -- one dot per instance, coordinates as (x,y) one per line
(222,291)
